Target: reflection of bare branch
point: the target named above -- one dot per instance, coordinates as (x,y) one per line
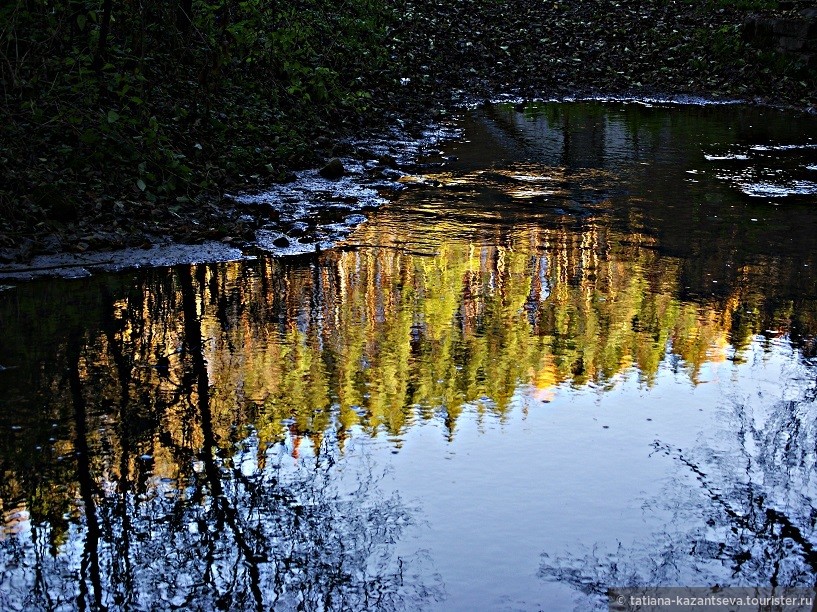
(710,490)
(303,542)
(745,522)
(216,536)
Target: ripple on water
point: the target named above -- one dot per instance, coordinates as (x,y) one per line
(771,190)
(768,171)
(728,156)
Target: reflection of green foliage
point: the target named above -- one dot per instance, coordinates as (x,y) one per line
(302,393)
(391,337)
(408,336)
(476,341)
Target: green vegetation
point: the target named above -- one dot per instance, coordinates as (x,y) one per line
(106,104)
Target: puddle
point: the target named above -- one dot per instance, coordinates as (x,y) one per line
(548,363)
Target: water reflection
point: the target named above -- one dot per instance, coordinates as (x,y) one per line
(228,539)
(189,427)
(164,501)
(742,510)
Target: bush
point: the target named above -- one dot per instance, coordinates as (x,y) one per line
(163,101)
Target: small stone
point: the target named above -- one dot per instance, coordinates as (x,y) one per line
(333,169)
(387,160)
(392,175)
(281,242)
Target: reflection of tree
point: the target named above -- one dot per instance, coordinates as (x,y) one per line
(161,390)
(748,520)
(89,567)
(379,336)
(138,393)
(269,540)
(233,532)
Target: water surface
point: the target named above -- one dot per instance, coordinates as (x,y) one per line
(575,352)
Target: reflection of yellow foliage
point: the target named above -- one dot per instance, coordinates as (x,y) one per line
(544,380)
(378,336)
(400,334)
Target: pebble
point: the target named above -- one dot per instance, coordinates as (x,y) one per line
(333,169)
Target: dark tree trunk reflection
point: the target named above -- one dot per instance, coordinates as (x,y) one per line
(174,512)
(226,514)
(89,567)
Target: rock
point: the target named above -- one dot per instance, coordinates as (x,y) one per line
(387,160)
(792,36)
(281,242)
(793,28)
(791,43)
(333,169)
(392,175)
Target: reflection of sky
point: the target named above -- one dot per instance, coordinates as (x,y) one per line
(572,475)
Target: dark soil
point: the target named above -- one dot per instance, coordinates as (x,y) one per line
(558,48)
(445,53)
